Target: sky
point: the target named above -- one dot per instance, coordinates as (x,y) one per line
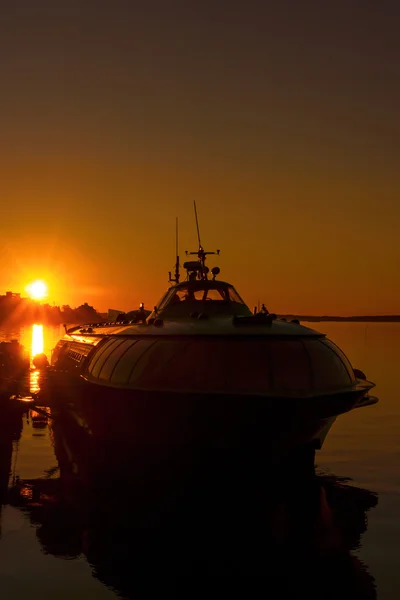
(279,118)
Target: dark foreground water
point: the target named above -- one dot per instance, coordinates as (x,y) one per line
(76,523)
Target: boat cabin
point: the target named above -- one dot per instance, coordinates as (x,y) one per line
(212,298)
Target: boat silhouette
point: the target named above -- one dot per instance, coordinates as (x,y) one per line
(202,375)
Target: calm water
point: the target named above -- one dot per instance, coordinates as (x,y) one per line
(70,540)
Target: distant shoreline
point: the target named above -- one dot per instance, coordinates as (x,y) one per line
(357,319)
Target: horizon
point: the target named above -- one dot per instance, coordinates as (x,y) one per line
(279,120)
(44,302)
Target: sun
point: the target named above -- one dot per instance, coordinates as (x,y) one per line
(37,290)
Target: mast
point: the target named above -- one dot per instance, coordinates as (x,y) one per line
(177,265)
(201,271)
(197,224)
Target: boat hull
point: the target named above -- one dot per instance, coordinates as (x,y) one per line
(185,426)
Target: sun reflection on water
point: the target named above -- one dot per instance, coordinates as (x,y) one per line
(37,340)
(37,347)
(34,376)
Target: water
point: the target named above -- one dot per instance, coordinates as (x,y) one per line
(365,445)
(63,537)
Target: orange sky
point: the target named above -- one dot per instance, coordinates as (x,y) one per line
(282,123)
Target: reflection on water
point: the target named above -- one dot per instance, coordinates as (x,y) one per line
(36,339)
(37,345)
(34,383)
(128,534)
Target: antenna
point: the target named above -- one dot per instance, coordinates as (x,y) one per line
(197,223)
(199,269)
(177,275)
(176,236)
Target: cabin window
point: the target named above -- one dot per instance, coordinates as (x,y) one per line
(128,360)
(343,357)
(216,295)
(291,367)
(329,372)
(101,356)
(112,359)
(76,356)
(248,366)
(81,349)
(164,301)
(154,368)
(196,366)
(263,366)
(225,365)
(182,295)
(234,296)
(189,294)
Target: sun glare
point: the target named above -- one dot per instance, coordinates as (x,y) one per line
(37,289)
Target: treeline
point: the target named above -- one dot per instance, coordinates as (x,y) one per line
(23,311)
(356,318)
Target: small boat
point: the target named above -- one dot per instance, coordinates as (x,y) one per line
(203,372)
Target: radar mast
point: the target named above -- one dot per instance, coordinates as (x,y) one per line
(198,269)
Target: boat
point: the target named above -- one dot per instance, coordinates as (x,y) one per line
(203,375)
